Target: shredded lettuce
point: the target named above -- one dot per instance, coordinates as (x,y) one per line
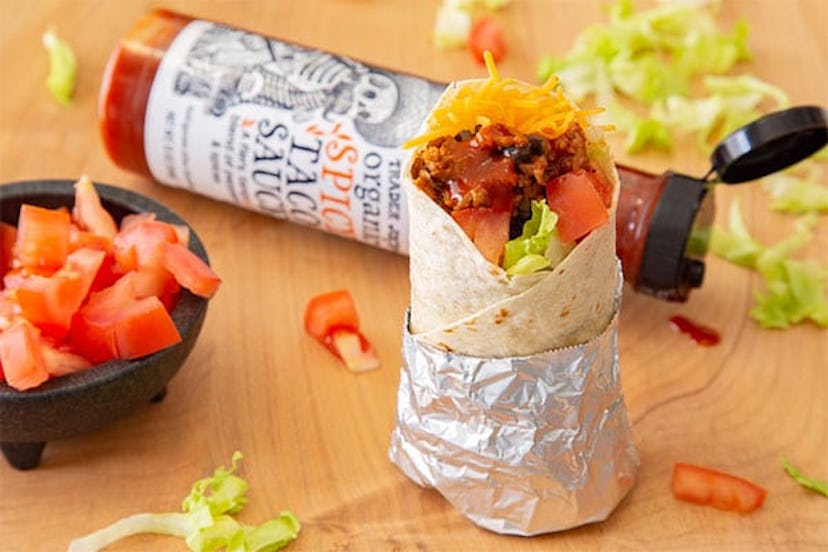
(737,246)
(672,42)
(642,132)
(451,28)
(63,68)
(731,102)
(799,189)
(538,246)
(795,290)
(206,521)
(453,22)
(650,60)
(807,482)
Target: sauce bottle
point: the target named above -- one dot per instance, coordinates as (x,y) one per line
(313,138)
(663,222)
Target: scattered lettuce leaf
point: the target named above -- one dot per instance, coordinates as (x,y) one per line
(453,22)
(527,253)
(807,482)
(683,35)
(647,78)
(713,53)
(206,522)
(642,132)
(451,28)
(799,189)
(63,68)
(795,290)
(731,102)
(651,58)
(737,246)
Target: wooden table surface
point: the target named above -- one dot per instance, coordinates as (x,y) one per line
(315,437)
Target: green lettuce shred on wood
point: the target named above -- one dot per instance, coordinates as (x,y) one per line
(800,189)
(807,482)
(206,522)
(643,67)
(63,67)
(795,290)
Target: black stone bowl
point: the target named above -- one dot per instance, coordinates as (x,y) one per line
(84,401)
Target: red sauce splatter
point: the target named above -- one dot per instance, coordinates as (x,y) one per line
(703,335)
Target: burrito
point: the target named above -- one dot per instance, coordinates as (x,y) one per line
(512,196)
(510,401)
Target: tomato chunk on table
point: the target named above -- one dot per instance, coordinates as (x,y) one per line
(331,318)
(721,490)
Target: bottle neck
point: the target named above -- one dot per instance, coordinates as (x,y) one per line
(663,231)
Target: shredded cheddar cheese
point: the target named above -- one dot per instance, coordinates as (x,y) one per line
(522,108)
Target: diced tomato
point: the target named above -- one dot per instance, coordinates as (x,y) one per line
(577,203)
(189,270)
(330,311)
(158,282)
(488,229)
(107,275)
(117,324)
(183,233)
(8,235)
(9,311)
(89,213)
(50,301)
(42,237)
(331,318)
(93,339)
(721,490)
(82,264)
(21,357)
(83,238)
(134,218)
(109,298)
(35,297)
(354,350)
(144,327)
(486,34)
(603,186)
(60,362)
(140,244)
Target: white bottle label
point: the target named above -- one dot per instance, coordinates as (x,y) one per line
(295,133)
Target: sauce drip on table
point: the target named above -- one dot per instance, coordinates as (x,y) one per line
(703,335)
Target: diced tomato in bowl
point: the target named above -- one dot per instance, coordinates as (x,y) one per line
(72,383)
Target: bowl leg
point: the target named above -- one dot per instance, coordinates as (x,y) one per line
(158,397)
(23,456)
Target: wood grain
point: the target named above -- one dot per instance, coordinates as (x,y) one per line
(315,437)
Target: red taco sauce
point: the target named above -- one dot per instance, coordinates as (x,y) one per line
(703,335)
(662,221)
(126,86)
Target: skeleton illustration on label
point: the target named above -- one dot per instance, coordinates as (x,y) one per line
(281,129)
(228,67)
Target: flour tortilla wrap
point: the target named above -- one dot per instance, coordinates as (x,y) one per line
(461,302)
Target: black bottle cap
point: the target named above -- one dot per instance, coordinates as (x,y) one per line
(677,239)
(770,144)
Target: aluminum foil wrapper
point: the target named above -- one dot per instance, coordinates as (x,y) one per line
(524,445)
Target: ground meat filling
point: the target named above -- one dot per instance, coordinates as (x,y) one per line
(491,166)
